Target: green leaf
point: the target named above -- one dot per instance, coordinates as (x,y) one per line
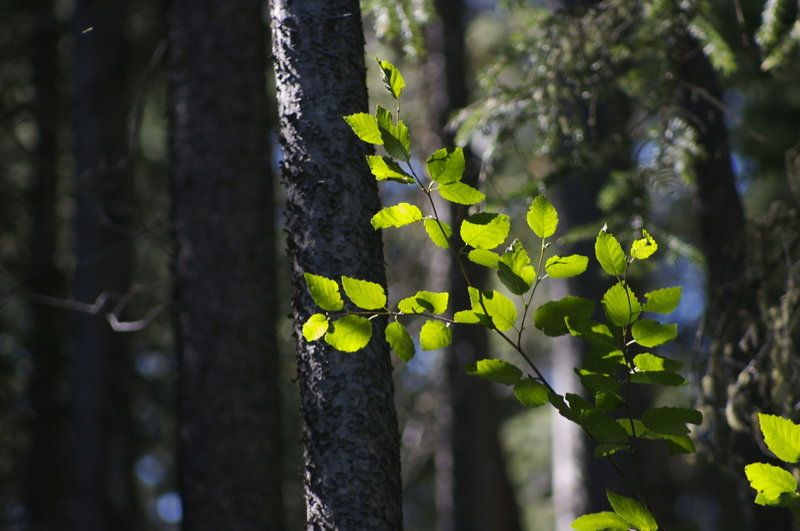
(621,305)
(606,449)
(461,193)
(658,378)
(649,333)
(395,136)
(446,165)
(609,253)
(435,335)
(498,371)
(678,444)
(425,301)
(599,336)
(782,437)
(398,338)
(515,270)
(315,327)
(325,292)
(652,369)
(497,306)
(531,393)
(549,318)
(350,333)
(651,362)
(602,427)
(603,521)
(663,300)
(365,126)
(632,512)
(566,266)
(434,230)
(775,486)
(396,216)
(392,79)
(595,381)
(472,317)
(484,258)
(385,168)
(542,217)
(485,230)
(643,248)
(364,294)
(671,420)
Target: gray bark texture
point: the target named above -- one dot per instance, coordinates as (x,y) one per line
(352,469)
(101,365)
(229,447)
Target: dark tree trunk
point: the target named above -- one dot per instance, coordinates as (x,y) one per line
(474,491)
(47,475)
(229,446)
(352,469)
(102,486)
(732,297)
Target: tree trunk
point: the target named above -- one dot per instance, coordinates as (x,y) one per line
(229,445)
(473,490)
(103,452)
(352,469)
(47,475)
(732,297)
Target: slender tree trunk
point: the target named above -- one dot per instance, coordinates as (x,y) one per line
(474,491)
(103,452)
(229,447)
(47,475)
(352,469)
(732,298)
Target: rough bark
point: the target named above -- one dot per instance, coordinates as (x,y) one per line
(102,427)
(352,470)
(729,403)
(229,445)
(47,474)
(473,491)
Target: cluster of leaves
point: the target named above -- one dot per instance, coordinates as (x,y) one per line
(618,355)
(777,486)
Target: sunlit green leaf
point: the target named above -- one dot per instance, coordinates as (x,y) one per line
(773,484)
(549,318)
(396,216)
(485,230)
(364,294)
(434,229)
(315,327)
(365,126)
(649,333)
(531,393)
(472,317)
(484,258)
(497,306)
(566,266)
(392,79)
(385,168)
(643,248)
(603,521)
(399,339)
(515,270)
(350,333)
(425,301)
(325,292)
(609,253)
(498,371)
(782,437)
(632,512)
(395,136)
(461,193)
(446,165)
(621,305)
(435,335)
(651,362)
(652,369)
(663,300)
(542,217)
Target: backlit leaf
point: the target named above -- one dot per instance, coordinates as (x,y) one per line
(485,230)
(663,300)
(364,294)
(350,333)
(515,270)
(621,305)
(434,230)
(424,301)
(399,339)
(497,306)
(446,165)
(782,437)
(773,484)
(484,258)
(365,126)
(315,327)
(395,136)
(531,393)
(649,333)
(609,253)
(566,266)
(643,248)
(396,216)
(549,317)
(392,79)
(603,521)
(542,217)
(461,193)
(325,292)
(385,168)
(435,335)
(498,371)
(632,512)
